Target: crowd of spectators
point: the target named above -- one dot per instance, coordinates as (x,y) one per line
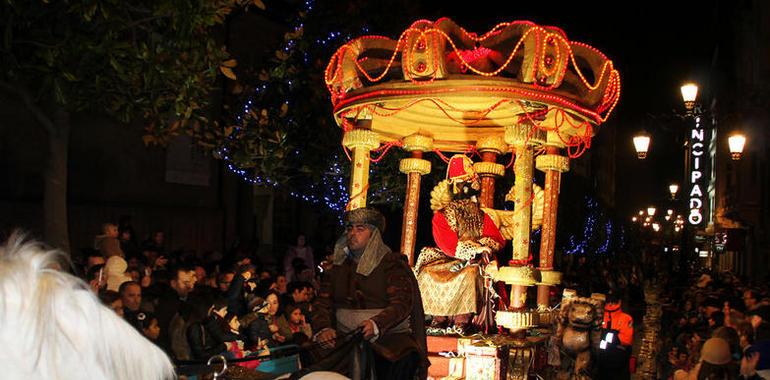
(607,275)
(196,307)
(714,326)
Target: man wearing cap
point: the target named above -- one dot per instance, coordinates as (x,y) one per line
(371,288)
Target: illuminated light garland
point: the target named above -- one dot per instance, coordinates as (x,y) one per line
(440,104)
(610,97)
(582,143)
(384,148)
(332,183)
(513,159)
(494,89)
(604,248)
(332,189)
(594,214)
(441,155)
(410,55)
(588,229)
(579,142)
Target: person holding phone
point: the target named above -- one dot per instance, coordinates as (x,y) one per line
(96,278)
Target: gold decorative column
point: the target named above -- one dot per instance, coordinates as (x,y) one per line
(523,166)
(414,167)
(360,142)
(553,164)
(489,147)
(519,136)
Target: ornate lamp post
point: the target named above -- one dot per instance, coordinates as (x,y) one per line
(673,189)
(689,95)
(736,142)
(642,144)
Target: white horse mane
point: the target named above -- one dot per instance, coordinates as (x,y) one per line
(53,327)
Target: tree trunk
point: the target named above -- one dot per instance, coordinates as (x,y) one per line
(56,230)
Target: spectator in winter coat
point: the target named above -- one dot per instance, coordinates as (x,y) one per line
(208,333)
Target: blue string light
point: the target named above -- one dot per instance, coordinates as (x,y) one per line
(604,248)
(223,151)
(331,190)
(581,247)
(591,235)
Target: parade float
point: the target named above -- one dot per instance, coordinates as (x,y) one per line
(522,89)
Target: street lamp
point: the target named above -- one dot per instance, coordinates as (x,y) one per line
(642,144)
(736,142)
(673,189)
(651,211)
(689,94)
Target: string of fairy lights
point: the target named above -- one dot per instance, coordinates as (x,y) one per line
(335,194)
(612,237)
(331,191)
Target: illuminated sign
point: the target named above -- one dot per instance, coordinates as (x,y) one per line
(697,159)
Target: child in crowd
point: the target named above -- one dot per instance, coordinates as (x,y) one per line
(148,323)
(293,326)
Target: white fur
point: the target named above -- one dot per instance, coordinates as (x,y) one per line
(53,327)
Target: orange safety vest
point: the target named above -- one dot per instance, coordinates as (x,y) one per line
(621,322)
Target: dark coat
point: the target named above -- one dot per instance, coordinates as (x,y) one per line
(259,329)
(207,338)
(169,304)
(390,286)
(235,301)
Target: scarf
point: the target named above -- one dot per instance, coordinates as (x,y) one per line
(373,253)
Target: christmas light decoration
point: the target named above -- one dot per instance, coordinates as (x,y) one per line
(593,240)
(330,190)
